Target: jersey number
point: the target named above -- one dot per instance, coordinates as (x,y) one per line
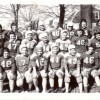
(89,60)
(80,42)
(6,64)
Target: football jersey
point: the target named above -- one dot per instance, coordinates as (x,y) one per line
(28,43)
(13,47)
(87,33)
(72,61)
(63,44)
(71,33)
(56,61)
(8,64)
(22,63)
(54,34)
(96,43)
(89,60)
(80,43)
(46,46)
(40,62)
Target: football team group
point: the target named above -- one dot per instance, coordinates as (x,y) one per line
(51,53)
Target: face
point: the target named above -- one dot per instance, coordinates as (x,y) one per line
(56,25)
(70,28)
(39,52)
(24,51)
(29,36)
(12,37)
(84,25)
(79,33)
(90,49)
(73,51)
(45,39)
(64,36)
(6,54)
(98,36)
(55,50)
(29,28)
(14,28)
(41,27)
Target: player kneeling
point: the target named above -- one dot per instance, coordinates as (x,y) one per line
(23,68)
(41,63)
(90,65)
(72,67)
(7,66)
(56,67)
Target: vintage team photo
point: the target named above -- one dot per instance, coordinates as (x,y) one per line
(49,48)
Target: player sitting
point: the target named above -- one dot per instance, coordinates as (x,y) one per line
(12,44)
(90,65)
(72,67)
(41,64)
(7,66)
(23,68)
(56,67)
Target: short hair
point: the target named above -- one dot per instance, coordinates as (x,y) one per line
(6,50)
(80,30)
(13,24)
(12,33)
(90,45)
(83,20)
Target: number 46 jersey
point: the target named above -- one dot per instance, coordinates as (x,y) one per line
(89,60)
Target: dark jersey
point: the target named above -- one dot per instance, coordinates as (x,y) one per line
(80,43)
(96,43)
(89,60)
(8,64)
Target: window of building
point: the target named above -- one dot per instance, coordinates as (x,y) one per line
(96,15)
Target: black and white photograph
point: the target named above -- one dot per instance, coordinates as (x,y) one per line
(49,48)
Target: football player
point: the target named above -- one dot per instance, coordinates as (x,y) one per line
(29,42)
(71,30)
(56,67)
(8,68)
(12,45)
(41,64)
(80,41)
(72,67)
(90,65)
(23,68)
(55,31)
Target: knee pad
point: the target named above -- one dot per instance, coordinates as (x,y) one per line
(94,73)
(51,74)
(29,79)
(79,79)
(85,74)
(67,79)
(60,74)
(19,82)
